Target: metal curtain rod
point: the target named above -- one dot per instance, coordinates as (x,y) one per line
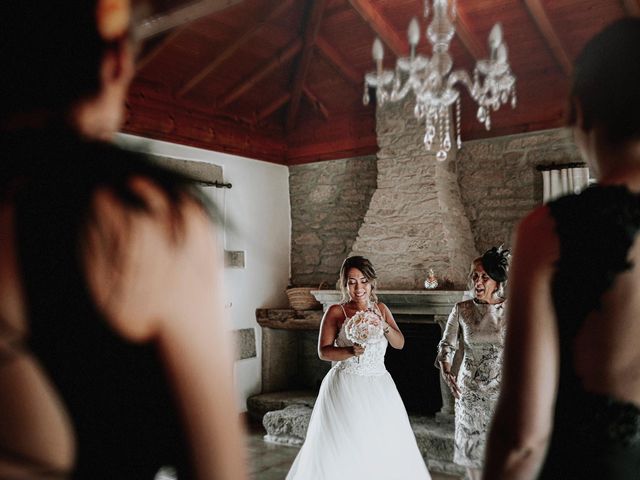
(560,166)
(216,184)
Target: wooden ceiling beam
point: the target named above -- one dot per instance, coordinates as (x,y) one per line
(273,106)
(468,40)
(281,58)
(540,18)
(156,50)
(380,26)
(147,95)
(632,7)
(312,25)
(274,11)
(152,26)
(316,103)
(284,98)
(329,52)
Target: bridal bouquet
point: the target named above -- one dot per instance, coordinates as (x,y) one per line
(364,328)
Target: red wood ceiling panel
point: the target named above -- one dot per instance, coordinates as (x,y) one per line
(332,122)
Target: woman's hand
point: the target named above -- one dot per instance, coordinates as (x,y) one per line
(358,350)
(450,379)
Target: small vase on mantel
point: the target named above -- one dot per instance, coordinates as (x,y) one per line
(431,282)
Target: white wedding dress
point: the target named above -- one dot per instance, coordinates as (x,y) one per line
(359,428)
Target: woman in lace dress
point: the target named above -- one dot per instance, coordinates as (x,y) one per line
(480,324)
(570,405)
(359,427)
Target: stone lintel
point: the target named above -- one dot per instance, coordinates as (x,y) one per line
(405,302)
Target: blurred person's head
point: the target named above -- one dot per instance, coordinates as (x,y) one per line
(357,280)
(605,94)
(70,59)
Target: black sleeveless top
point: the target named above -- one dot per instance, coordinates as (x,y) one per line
(594,436)
(121,406)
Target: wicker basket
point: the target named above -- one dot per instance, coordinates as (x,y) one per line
(300,298)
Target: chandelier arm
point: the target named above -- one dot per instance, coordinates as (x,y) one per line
(461,76)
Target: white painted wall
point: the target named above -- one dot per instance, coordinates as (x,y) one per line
(257,209)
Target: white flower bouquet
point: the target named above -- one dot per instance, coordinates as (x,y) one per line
(364,328)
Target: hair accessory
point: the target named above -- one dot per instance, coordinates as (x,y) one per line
(496,263)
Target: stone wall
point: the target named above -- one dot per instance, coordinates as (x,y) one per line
(416,219)
(423,213)
(500,184)
(328,204)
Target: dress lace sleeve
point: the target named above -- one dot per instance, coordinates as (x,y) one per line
(449,342)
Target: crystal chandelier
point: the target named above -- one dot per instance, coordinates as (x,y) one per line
(433,83)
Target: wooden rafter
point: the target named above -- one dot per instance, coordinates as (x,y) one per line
(284,98)
(475,49)
(632,7)
(270,15)
(316,103)
(153,53)
(335,57)
(379,25)
(273,106)
(540,18)
(282,57)
(159,97)
(311,28)
(158,24)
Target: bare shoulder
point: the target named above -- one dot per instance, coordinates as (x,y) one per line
(536,234)
(334,313)
(142,262)
(384,309)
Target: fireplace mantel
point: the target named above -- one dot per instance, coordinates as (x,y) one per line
(404,302)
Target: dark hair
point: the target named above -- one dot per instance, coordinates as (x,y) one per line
(605,82)
(51,53)
(362,264)
(496,263)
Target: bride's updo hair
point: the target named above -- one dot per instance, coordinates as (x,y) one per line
(366,267)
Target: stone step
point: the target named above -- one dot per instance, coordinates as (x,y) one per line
(285,416)
(287,426)
(259,405)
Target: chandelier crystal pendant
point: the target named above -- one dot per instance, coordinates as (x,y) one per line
(433,83)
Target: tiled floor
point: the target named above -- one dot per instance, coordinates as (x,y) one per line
(272,462)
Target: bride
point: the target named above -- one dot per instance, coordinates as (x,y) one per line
(359,427)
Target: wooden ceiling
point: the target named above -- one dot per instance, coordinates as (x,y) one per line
(282,80)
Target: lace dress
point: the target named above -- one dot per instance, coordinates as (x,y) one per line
(594,436)
(359,427)
(482,329)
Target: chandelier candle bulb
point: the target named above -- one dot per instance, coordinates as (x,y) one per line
(414,33)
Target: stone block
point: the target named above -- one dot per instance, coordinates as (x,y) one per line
(245,340)
(287,426)
(259,405)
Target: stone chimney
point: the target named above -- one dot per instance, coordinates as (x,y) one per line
(415,219)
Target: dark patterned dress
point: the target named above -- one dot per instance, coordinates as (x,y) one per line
(594,436)
(481,328)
